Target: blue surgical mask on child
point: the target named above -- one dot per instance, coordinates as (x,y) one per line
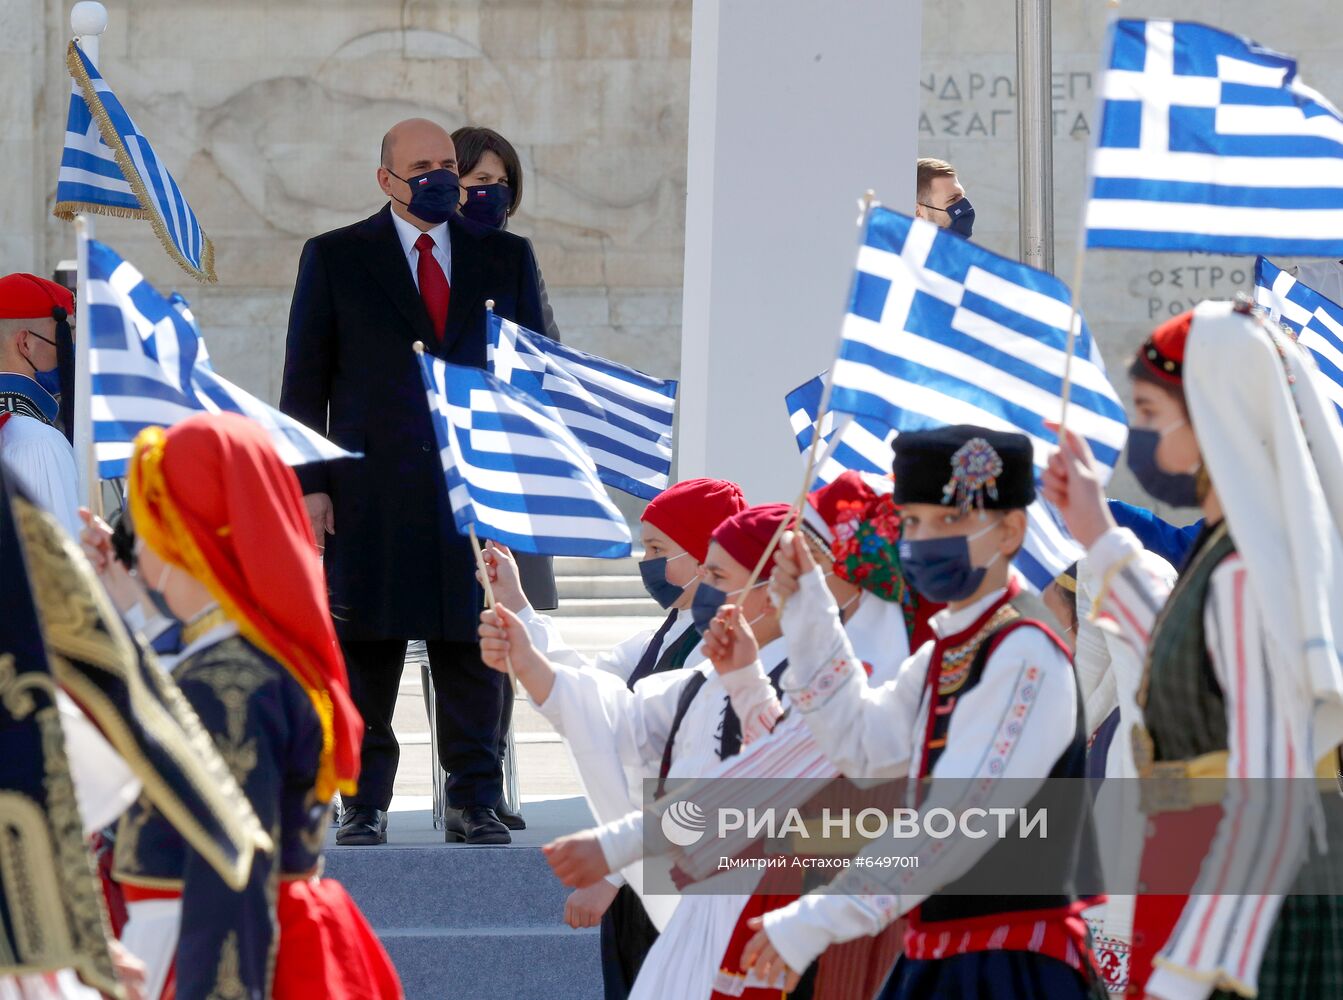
(660,589)
(941,569)
(708,599)
(1179,489)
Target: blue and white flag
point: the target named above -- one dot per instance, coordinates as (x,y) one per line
(150,369)
(940,331)
(622,416)
(1209,141)
(864,444)
(108,167)
(1318,321)
(514,471)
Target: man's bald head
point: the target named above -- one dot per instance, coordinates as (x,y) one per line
(410,148)
(416,138)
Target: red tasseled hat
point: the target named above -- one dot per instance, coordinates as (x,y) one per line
(26,296)
(688,512)
(745,536)
(1162,354)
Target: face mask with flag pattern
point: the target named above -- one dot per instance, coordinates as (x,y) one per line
(433,195)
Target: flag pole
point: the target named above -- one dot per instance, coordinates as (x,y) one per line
(88,20)
(1079,257)
(86,461)
(865,203)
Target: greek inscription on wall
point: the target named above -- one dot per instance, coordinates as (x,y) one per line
(1177,283)
(964,104)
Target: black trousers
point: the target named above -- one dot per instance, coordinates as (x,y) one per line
(474,709)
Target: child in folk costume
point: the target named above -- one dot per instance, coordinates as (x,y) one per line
(674,724)
(675,531)
(224,537)
(1235,667)
(991,697)
(852,533)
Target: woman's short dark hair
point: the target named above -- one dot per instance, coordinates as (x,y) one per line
(473,142)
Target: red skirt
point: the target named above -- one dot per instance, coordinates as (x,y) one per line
(327,948)
(1172,854)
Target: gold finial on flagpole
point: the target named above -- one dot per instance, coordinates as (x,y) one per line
(489,304)
(418,346)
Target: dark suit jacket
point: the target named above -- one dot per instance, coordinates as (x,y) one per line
(396,566)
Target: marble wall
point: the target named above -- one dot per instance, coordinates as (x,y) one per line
(270,113)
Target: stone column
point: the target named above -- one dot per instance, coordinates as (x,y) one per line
(796,108)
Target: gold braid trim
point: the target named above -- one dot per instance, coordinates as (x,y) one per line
(78,624)
(158,521)
(66,209)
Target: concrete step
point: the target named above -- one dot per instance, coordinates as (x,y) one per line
(571,587)
(518,963)
(613,607)
(471,922)
(580,566)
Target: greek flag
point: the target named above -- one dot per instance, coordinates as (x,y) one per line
(1211,142)
(150,368)
(940,331)
(514,471)
(622,416)
(108,167)
(1318,322)
(863,444)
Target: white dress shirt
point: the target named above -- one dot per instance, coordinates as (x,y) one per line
(44,464)
(442,247)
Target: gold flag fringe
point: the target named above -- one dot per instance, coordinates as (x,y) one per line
(68,209)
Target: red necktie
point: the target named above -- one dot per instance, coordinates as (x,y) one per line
(434,287)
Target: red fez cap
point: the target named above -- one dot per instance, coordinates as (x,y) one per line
(1163,353)
(26,296)
(688,512)
(841,502)
(744,536)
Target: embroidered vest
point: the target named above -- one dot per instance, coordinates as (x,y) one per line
(1182,702)
(1073,853)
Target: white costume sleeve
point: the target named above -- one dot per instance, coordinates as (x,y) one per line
(620,660)
(1220,939)
(1013,724)
(105,787)
(753,700)
(603,720)
(44,463)
(867,732)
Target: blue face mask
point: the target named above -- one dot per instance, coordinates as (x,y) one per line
(941,569)
(433,195)
(962,215)
(962,218)
(708,599)
(50,380)
(488,204)
(660,589)
(1179,489)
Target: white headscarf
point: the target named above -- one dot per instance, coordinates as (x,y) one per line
(1274,450)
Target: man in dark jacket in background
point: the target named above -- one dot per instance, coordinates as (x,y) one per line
(396,566)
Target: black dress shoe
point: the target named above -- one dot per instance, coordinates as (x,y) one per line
(474,825)
(361,826)
(512,820)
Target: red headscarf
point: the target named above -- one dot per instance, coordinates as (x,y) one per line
(212,496)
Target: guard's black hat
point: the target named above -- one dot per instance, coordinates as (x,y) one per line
(964,466)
